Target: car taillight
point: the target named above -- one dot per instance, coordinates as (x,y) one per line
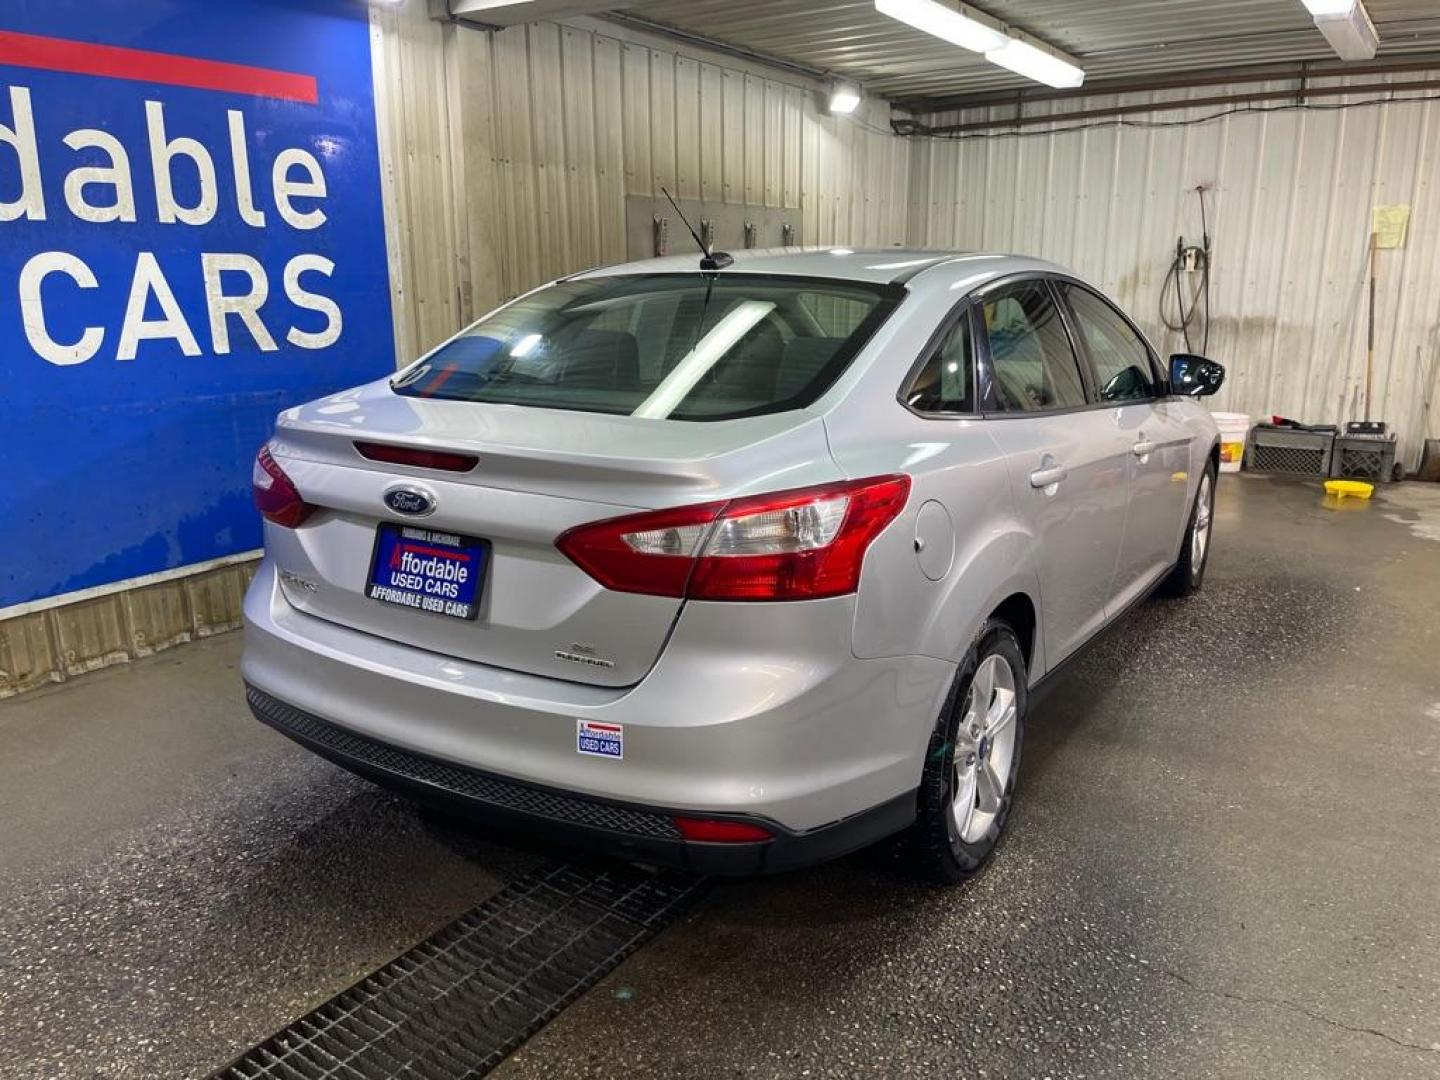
(803,544)
(722,831)
(275,495)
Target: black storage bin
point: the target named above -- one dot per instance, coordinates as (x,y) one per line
(1364,457)
(1286,450)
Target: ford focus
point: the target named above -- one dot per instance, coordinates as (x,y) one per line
(736,568)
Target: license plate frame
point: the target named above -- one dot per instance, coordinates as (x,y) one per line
(429,544)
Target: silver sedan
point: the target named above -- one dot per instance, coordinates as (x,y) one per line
(736,568)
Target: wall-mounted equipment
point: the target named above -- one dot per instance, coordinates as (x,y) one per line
(719,225)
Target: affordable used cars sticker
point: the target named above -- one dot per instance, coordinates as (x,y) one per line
(600,740)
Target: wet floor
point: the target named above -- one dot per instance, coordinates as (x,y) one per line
(1223,862)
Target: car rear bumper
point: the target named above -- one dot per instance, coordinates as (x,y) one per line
(643,833)
(772,720)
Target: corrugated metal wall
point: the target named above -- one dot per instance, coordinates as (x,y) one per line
(511,154)
(1289,211)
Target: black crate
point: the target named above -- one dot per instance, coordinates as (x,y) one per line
(1285,450)
(1364,457)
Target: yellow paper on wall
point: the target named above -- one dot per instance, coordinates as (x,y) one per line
(1388,223)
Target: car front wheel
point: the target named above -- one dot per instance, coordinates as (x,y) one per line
(973,760)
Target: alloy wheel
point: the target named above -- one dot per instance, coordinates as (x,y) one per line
(1200,538)
(984,749)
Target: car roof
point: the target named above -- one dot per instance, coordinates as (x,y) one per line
(879,265)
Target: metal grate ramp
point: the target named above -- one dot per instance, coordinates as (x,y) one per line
(457,1003)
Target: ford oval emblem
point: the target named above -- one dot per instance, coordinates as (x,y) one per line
(412,501)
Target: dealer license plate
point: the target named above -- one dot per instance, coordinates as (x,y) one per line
(428,570)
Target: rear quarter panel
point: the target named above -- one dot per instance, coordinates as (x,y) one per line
(900,611)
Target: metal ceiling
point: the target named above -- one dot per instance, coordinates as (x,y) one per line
(1121,39)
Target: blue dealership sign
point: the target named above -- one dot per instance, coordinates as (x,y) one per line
(191,239)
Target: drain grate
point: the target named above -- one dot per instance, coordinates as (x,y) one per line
(457,1003)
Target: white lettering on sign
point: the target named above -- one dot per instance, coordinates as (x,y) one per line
(21,135)
(102,192)
(163,153)
(246,305)
(302,297)
(244,201)
(32,311)
(150,282)
(121,205)
(313,186)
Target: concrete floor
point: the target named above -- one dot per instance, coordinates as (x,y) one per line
(1225,862)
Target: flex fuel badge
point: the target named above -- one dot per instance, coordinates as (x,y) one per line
(600,740)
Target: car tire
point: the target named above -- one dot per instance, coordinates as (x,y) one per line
(973,750)
(1189,572)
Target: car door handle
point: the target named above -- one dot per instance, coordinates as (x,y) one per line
(1142,448)
(1052,474)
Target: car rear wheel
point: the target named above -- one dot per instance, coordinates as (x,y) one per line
(973,760)
(1189,572)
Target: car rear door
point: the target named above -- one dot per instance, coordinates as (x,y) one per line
(1126,379)
(1065,459)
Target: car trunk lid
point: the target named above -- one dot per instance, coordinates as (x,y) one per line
(539,473)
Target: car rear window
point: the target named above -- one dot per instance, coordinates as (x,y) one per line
(664,346)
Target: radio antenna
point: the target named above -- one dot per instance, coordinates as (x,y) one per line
(708,261)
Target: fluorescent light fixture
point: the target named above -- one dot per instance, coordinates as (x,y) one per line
(1346,26)
(970,29)
(1038,63)
(844,97)
(468,6)
(954,23)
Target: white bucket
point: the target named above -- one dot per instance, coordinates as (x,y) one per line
(1234,429)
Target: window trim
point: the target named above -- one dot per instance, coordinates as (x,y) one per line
(982,349)
(1161,385)
(962,310)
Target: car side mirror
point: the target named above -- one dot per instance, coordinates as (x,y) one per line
(1194,376)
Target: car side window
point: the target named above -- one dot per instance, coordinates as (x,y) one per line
(1032,366)
(942,385)
(1123,371)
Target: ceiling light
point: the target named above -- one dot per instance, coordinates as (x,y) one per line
(1036,62)
(844,97)
(1346,26)
(465,7)
(954,23)
(1011,49)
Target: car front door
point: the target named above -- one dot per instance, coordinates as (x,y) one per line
(1065,459)
(1125,376)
